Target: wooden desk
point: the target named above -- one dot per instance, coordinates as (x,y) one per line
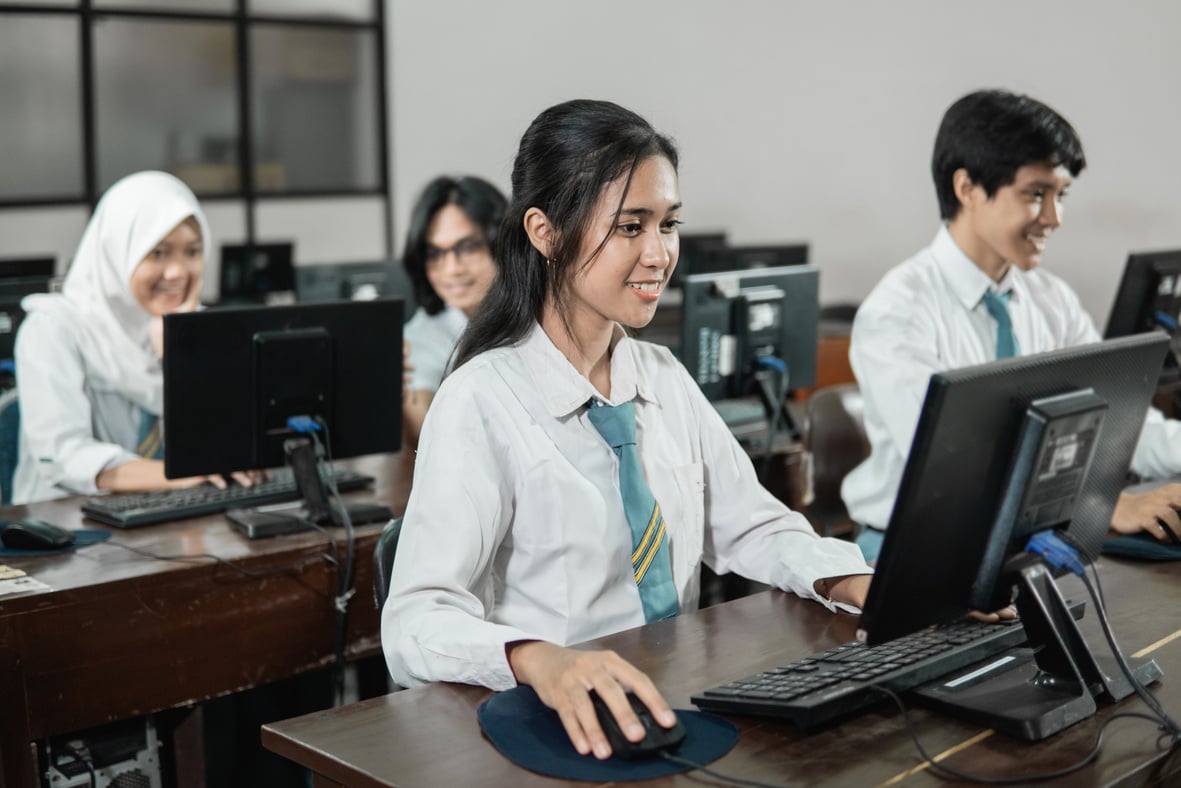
(121,635)
(429,735)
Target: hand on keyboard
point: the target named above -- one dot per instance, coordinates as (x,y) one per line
(1004,614)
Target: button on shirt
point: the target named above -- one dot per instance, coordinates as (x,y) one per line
(927,315)
(515,529)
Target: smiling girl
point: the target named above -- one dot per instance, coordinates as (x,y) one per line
(570,480)
(87,359)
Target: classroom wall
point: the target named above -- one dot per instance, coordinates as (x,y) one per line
(806,120)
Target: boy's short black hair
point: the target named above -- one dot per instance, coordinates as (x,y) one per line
(992,134)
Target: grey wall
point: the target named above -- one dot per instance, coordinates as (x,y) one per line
(807,120)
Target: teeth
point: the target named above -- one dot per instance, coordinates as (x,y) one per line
(647,287)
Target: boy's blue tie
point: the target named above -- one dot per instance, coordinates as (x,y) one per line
(650,554)
(150,445)
(998,307)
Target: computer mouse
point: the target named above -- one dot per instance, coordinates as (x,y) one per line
(657,739)
(35,535)
(1173,537)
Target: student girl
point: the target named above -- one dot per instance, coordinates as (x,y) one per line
(88,359)
(570,479)
(448,257)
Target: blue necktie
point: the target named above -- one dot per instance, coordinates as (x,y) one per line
(650,561)
(998,307)
(150,445)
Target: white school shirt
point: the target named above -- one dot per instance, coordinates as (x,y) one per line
(515,529)
(432,340)
(927,315)
(70,430)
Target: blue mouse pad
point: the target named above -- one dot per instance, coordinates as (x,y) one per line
(1142,546)
(82,538)
(529,734)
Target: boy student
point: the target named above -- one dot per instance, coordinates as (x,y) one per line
(1002,165)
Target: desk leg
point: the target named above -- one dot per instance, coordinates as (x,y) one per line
(18,754)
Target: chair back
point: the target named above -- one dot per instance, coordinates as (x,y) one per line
(10,432)
(383,559)
(834,436)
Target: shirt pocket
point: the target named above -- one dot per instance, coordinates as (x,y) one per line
(689,524)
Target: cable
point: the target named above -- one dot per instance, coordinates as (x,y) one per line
(947,771)
(345,590)
(717,775)
(1168,724)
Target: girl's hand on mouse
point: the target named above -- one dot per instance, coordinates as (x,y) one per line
(563,679)
(1154,511)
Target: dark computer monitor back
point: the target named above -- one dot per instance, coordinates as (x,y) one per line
(959,462)
(741,258)
(19,277)
(254,273)
(231,375)
(730,319)
(1149,294)
(354,282)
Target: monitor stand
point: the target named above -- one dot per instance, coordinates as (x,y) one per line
(315,507)
(1035,691)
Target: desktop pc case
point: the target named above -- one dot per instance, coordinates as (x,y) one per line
(125,754)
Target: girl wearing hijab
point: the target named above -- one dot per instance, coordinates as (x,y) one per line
(88,359)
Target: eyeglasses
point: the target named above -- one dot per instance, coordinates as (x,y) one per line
(463,250)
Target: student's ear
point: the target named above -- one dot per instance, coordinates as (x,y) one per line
(966,190)
(540,231)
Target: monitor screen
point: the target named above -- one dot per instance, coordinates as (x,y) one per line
(256,273)
(694,247)
(20,277)
(731,323)
(1148,298)
(946,526)
(232,378)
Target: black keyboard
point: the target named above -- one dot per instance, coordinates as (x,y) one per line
(129,510)
(828,685)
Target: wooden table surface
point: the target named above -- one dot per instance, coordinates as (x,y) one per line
(121,635)
(429,736)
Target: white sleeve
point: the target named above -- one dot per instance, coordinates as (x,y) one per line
(893,353)
(749,530)
(56,414)
(434,624)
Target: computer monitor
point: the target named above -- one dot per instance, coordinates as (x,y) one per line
(695,247)
(354,282)
(1004,451)
(1149,298)
(740,258)
(734,324)
(256,273)
(233,378)
(19,277)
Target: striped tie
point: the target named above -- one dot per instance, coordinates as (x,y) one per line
(150,445)
(998,307)
(650,554)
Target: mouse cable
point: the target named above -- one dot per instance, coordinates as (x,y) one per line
(197,558)
(678,760)
(942,770)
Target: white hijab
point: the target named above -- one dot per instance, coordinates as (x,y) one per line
(113,330)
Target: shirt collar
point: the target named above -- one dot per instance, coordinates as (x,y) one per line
(565,389)
(963,276)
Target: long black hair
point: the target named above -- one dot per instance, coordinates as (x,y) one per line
(994,133)
(569,154)
(479,200)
